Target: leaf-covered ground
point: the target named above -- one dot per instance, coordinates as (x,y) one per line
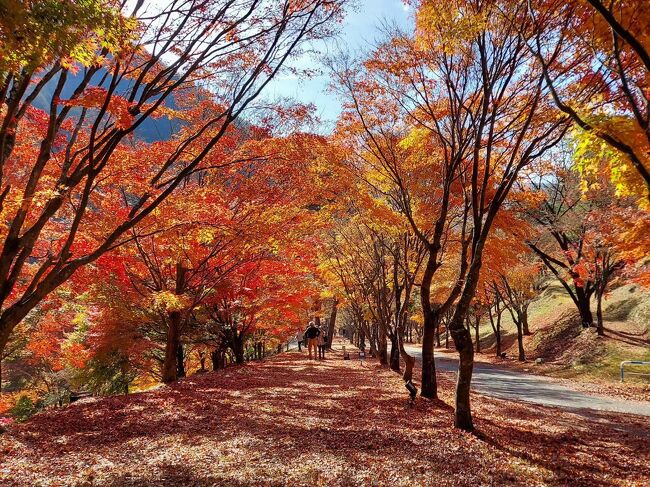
(289,421)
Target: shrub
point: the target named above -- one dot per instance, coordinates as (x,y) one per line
(24,409)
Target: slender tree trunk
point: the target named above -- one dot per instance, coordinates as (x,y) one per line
(520,341)
(429,382)
(463,412)
(495,322)
(383,346)
(600,326)
(394,354)
(524,322)
(202,357)
(170,366)
(463,342)
(477,334)
(332,324)
(409,361)
(465,347)
(437,333)
(180,361)
(497,335)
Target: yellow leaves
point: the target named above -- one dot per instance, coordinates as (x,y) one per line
(169,301)
(448,24)
(205,236)
(595,159)
(37,33)
(415,138)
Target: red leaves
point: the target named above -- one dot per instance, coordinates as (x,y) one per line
(99,98)
(333,422)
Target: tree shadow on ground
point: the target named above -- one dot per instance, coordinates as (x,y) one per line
(577,447)
(291,419)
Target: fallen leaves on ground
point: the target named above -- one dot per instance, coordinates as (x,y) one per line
(291,421)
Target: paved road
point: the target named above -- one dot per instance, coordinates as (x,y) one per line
(495,381)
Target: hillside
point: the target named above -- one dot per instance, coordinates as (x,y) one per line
(289,421)
(559,346)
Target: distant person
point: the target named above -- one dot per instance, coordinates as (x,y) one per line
(322,340)
(311,334)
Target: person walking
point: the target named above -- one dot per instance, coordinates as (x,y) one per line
(300,338)
(322,340)
(312,333)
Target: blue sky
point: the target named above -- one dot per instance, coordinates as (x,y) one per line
(358,32)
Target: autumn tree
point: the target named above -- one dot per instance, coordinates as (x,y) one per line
(574,235)
(517,288)
(495,308)
(76,180)
(596,63)
(473,121)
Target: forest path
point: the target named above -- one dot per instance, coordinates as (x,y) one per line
(504,383)
(288,421)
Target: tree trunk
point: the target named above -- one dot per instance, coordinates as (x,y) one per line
(600,326)
(409,361)
(202,358)
(382,345)
(170,370)
(394,355)
(463,412)
(429,383)
(497,336)
(437,333)
(477,334)
(238,349)
(524,322)
(520,341)
(584,308)
(170,367)
(220,356)
(214,358)
(180,361)
(332,324)
(463,342)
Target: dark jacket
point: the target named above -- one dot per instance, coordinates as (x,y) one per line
(312,332)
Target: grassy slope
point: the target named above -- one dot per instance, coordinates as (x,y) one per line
(288,421)
(569,351)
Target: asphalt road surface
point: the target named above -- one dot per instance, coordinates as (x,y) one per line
(495,381)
